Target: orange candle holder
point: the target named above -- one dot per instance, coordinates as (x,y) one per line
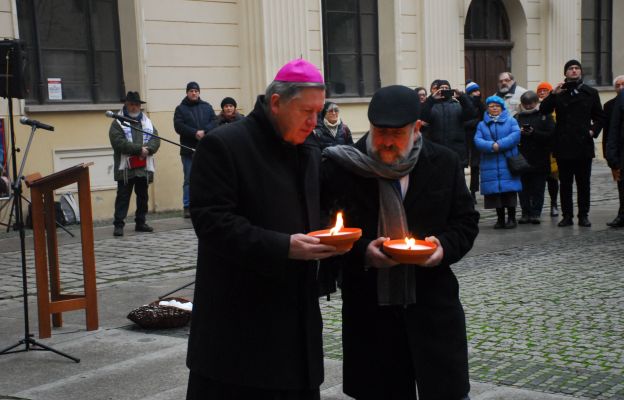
(402,253)
(342,240)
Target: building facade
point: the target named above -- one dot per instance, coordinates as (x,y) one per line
(83,55)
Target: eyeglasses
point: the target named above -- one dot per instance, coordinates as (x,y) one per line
(334,110)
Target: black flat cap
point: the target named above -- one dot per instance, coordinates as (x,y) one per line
(394,107)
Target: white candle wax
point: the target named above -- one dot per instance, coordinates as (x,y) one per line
(404,246)
(335,234)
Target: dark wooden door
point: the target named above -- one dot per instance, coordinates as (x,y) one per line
(487,44)
(483,65)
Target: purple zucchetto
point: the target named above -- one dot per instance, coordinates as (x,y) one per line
(299,70)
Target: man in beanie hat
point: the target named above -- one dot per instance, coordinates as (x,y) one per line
(509,91)
(192,119)
(403,325)
(256,330)
(473,90)
(579,120)
(228,112)
(134,163)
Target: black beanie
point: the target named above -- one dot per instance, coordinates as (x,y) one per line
(228,100)
(192,85)
(571,63)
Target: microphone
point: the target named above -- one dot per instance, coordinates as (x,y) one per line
(36,124)
(118,117)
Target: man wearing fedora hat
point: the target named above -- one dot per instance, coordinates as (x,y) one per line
(134,162)
(404,330)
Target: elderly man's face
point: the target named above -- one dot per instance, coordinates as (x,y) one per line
(296,118)
(619,86)
(392,145)
(133,108)
(505,83)
(193,94)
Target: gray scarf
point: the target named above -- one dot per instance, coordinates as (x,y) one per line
(395,285)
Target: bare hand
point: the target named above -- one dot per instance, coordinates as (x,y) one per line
(374,257)
(436,94)
(495,147)
(144,152)
(457,93)
(436,258)
(199,134)
(617,174)
(559,88)
(591,134)
(304,247)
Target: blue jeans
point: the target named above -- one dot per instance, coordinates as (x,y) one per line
(187,160)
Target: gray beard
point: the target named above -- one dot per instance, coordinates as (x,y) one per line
(134,115)
(503,90)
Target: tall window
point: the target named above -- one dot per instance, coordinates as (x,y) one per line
(596,41)
(73,50)
(351,47)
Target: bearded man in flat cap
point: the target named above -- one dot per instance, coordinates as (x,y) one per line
(403,325)
(256,324)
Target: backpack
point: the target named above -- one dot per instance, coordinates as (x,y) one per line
(69,208)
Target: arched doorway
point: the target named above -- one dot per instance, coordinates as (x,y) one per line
(487,43)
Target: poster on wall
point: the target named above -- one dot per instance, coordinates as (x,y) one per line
(55,90)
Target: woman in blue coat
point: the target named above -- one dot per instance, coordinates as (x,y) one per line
(497,138)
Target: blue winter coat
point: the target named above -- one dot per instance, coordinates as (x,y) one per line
(495,176)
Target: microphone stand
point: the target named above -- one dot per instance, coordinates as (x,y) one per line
(28,341)
(124,123)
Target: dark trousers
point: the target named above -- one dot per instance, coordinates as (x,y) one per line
(578,170)
(122,201)
(474,178)
(532,194)
(553,190)
(202,388)
(620,186)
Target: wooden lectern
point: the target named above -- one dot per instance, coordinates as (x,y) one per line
(50,300)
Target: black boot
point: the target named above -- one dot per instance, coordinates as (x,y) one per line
(511,219)
(500,222)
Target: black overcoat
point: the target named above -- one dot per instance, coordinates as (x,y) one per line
(256,320)
(437,203)
(577,113)
(536,147)
(190,117)
(615,140)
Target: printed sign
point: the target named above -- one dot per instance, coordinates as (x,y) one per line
(55,90)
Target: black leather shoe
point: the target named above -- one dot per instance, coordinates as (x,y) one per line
(118,231)
(499,224)
(535,220)
(511,223)
(524,219)
(187,213)
(618,222)
(584,221)
(143,228)
(566,221)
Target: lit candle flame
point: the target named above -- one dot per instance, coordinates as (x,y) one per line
(339,225)
(411,243)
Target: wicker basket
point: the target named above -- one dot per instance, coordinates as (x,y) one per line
(154,316)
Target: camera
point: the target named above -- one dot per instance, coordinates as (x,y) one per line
(447,93)
(526,127)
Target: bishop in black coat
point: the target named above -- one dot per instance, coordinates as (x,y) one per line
(256,320)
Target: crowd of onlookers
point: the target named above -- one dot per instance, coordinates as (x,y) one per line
(516,142)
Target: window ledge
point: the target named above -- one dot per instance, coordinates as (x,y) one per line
(35,108)
(349,100)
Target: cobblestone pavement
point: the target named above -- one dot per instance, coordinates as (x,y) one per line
(545,317)
(141,258)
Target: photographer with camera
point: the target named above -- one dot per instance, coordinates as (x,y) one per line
(579,121)
(536,130)
(445,113)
